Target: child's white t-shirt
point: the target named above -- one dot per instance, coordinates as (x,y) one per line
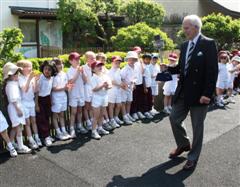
(147,75)
(44,86)
(88,72)
(128,75)
(114,75)
(13,91)
(98,80)
(138,70)
(78,89)
(29,95)
(222,72)
(154,69)
(60,81)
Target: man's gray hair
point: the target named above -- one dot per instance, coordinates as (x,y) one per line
(194,20)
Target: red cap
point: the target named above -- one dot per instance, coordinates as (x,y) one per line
(96,63)
(137,49)
(74,55)
(235,52)
(116,58)
(172,56)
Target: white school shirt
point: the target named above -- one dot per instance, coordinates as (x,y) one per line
(138,70)
(44,86)
(231,76)
(29,95)
(147,75)
(128,75)
(114,74)
(154,70)
(78,89)
(13,92)
(222,72)
(98,80)
(59,81)
(88,72)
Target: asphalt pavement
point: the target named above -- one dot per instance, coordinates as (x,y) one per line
(134,156)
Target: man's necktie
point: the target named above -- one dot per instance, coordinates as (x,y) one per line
(189,56)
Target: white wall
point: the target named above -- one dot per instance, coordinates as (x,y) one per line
(9,20)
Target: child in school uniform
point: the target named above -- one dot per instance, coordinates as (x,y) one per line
(76,78)
(114,98)
(128,78)
(59,101)
(169,87)
(103,58)
(232,74)
(15,111)
(27,83)
(87,110)
(4,134)
(154,69)
(100,84)
(138,92)
(222,80)
(147,82)
(43,100)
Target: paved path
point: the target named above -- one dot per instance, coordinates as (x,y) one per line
(134,155)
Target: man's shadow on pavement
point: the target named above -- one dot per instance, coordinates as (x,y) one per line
(155,177)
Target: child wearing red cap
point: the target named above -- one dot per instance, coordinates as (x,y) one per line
(222,80)
(99,84)
(103,58)
(76,80)
(169,87)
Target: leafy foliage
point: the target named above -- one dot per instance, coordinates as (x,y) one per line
(10,39)
(140,34)
(224,29)
(148,11)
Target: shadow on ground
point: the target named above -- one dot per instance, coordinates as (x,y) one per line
(155,177)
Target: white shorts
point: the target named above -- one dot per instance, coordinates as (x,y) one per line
(75,102)
(127,95)
(99,101)
(3,123)
(29,111)
(59,107)
(154,90)
(222,84)
(88,93)
(168,93)
(114,96)
(15,119)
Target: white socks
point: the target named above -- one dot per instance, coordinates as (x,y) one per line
(20,141)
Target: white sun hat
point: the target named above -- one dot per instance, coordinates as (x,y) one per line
(131,54)
(9,69)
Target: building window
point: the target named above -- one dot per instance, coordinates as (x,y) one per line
(28,28)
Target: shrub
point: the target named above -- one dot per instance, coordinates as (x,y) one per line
(140,34)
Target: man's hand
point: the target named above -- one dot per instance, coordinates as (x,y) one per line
(205,100)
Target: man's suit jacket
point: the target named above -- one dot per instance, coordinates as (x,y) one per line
(200,79)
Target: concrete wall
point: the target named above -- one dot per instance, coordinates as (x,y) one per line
(9,20)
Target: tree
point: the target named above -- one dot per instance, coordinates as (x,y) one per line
(224,29)
(148,11)
(10,38)
(80,20)
(140,34)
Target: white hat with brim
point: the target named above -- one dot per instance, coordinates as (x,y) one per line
(131,54)
(9,69)
(236,58)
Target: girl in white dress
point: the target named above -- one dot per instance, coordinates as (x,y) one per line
(169,87)
(15,109)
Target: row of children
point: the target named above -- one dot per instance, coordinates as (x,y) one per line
(228,71)
(95,94)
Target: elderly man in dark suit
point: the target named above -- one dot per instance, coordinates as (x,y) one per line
(198,69)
